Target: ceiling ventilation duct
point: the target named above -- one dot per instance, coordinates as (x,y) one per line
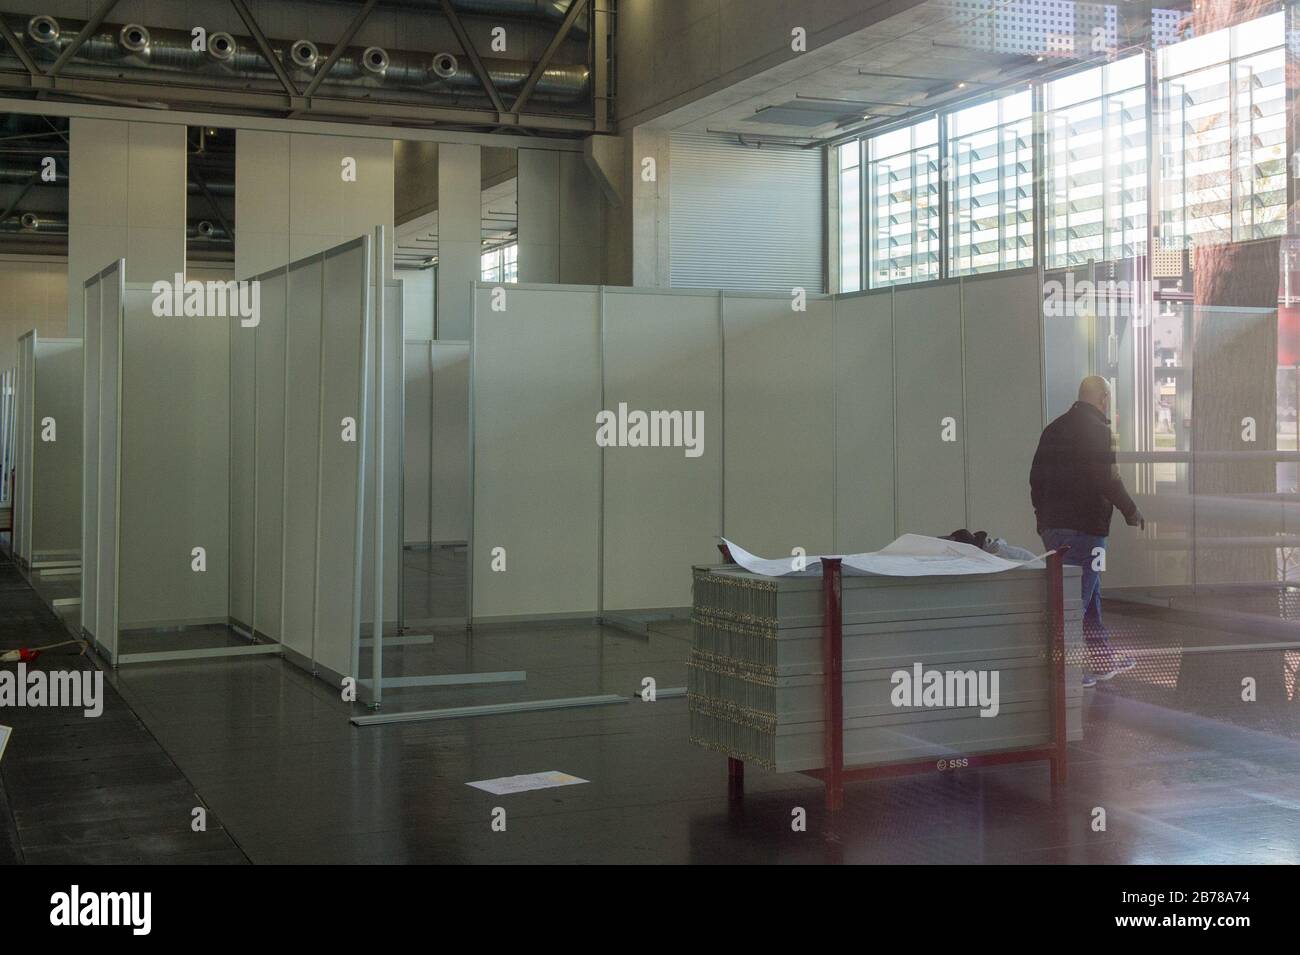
(134,38)
(236,61)
(221,47)
(43,30)
(304,54)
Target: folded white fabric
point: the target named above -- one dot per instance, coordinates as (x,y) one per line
(912,555)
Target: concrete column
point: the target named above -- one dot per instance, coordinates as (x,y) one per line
(581,224)
(126,198)
(292,198)
(651,245)
(561,219)
(539,215)
(459,237)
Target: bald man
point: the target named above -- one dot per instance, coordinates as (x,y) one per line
(1074,485)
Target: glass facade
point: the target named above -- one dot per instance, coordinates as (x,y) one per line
(954,193)
(903,172)
(1095,125)
(1223,135)
(500,264)
(990,168)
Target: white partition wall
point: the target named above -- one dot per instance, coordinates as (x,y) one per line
(243,475)
(8,392)
(536,390)
(24,396)
(345,353)
(103,295)
(417,442)
(863,342)
(52,469)
(174,470)
(268,500)
(779,429)
(930,424)
(908,410)
(390,474)
(670,361)
(302,436)
(435,491)
(1004,406)
(450,442)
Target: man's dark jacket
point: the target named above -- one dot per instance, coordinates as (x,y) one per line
(1074,483)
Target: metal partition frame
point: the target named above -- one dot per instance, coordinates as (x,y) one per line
(100,459)
(370,304)
(8,386)
(33,548)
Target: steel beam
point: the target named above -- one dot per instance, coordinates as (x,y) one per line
(233,100)
(337,52)
(91,26)
(264,45)
(216,209)
(467,45)
(19,50)
(539,68)
(9,210)
(398,128)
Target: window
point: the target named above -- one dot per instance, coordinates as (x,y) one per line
(903,177)
(1223,156)
(500,264)
(990,161)
(1096,185)
(850,217)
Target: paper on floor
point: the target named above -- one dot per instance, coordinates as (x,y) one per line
(529,781)
(912,555)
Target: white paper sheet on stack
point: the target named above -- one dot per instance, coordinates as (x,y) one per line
(912,555)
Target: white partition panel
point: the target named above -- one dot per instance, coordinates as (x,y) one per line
(449,366)
(175,461)
(1004,400)
(779,429)
(243,473)
(111,303)
(55,477)
(662,505)
(21,537)
(269,452)
(931,482)
(391,473)
(92,292)
(417,464)
(864,421)
(536,392)
(8,392)
(302,456)
(344,355)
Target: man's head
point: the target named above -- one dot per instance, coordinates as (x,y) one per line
(1094,391)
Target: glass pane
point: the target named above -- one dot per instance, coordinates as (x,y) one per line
(1097,169)
(850,225)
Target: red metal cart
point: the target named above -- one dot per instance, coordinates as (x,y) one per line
(836,774)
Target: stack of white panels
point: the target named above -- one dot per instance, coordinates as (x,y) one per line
(979,643)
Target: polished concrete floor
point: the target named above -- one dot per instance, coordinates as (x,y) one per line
(75,789)
(1186,771)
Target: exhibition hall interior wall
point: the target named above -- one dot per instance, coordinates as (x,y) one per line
(833,427)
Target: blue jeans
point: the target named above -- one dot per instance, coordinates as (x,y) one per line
(1080,554)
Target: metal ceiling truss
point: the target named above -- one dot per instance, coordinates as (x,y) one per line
(293,103)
